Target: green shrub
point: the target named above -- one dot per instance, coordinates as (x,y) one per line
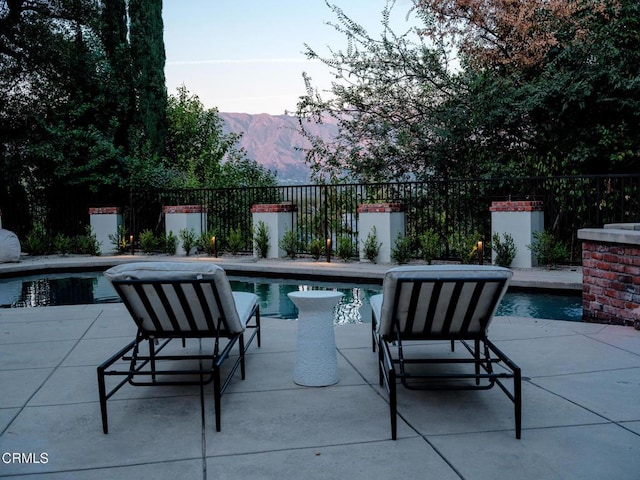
(120,240)
(235,240)
(401,251)
(261,240)
(148,242)
(62,244)
(170,243)
(205,242)
(505,250)
(316,248)
(466,247)
(370,246)
(88,243)
(344,249)
(289,243)
(188,238)
(37,241)
(429,245)
(547,250)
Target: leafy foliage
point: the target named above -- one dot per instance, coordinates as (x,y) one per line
(120,239)
(505,250)
(401,250)
(429,245)
(87,243)
(83,103)
(148,59)
(198,152)
(546,87)
(148,241)
(345,248)
(466,246)
(290,243)
(170,243)
(385,100)
(261,241)
(317,248)
(188,237)
(547,249)
(504,32)
(371,246)
(206,242)
(62,244)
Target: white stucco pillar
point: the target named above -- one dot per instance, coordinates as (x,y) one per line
(184,217)
(279,218)
(520,219)
(388,220)
(105,221)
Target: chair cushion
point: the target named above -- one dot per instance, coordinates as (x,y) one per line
(376,307)
(431,274)
(236,307)
(245,303)
(9,246)
(163,270)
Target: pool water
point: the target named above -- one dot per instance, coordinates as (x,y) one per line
(93,288)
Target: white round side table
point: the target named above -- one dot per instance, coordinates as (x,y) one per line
(316,359)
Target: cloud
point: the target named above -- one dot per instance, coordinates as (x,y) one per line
(238,61)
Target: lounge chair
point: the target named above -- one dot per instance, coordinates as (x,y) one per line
(452,303)
(173,300)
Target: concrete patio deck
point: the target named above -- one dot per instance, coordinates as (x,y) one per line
(581,407)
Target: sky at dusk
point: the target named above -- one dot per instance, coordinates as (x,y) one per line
(248,56)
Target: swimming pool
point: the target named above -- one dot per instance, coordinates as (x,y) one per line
(93,288)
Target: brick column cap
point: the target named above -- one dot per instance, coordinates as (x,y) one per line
(183,209)
(380,207)
(274,207)
(516,206)
(104,211)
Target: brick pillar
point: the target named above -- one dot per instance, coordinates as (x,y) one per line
(184,217)
(520,219)
(388,219)
(105,221)
(611,275)
(278,217)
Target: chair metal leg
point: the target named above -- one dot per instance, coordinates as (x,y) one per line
(477,358)
(258,326)
(380,365)
(373,332)
(216,396)
(242,350)
(393,404)
(152,356)
(103,400)
(517,400)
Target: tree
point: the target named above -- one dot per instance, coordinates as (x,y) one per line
(507,32)
(198,152)
(385,99)
(148,56)
(122,97)
(546,87)
(52,78)
(559,97)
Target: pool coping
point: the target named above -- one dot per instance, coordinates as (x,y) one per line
(560,280)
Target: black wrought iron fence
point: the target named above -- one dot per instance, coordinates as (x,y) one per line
(447,207)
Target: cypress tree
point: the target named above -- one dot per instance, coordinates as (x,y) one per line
(121,100)
(148,59)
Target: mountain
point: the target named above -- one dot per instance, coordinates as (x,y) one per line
(271,140)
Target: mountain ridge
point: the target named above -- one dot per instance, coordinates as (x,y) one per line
(274,141)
